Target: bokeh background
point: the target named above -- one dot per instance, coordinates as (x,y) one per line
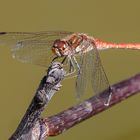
(109,20)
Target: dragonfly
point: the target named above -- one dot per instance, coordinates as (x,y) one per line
(78,52)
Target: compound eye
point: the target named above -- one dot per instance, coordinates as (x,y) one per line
(58,44)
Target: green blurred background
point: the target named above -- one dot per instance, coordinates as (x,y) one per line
(109,20)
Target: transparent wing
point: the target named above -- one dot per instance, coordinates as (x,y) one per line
(30,47)
(85,64)
(99,79)
(92,73)
(33,51)
(10,38)
(82,80)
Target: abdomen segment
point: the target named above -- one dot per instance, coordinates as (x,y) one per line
(106,45)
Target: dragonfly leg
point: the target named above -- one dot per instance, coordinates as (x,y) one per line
(70,64)
(64,60)
(54,59)
(79,70)
(71,68)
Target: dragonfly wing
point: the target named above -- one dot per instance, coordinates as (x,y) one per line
(34,52)
(85,63)
(85,74)
(32,48)
(11,38)
(92,72)
(99,79)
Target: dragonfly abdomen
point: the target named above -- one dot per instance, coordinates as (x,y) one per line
(106,45)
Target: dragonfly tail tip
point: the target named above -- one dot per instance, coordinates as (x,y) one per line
(2,33)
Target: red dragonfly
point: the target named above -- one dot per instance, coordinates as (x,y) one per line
(78,52)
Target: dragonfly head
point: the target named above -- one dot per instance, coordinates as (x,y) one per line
(60,48)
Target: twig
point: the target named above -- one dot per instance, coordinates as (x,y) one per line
(54,125)
(62,121)
(48,86)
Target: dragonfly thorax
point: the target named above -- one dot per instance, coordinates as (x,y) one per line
(69,46)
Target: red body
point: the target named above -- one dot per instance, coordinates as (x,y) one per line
(79,42)
(105,45)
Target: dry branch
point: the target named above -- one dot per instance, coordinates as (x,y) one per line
(32,127)
(28,127)
(62,121)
